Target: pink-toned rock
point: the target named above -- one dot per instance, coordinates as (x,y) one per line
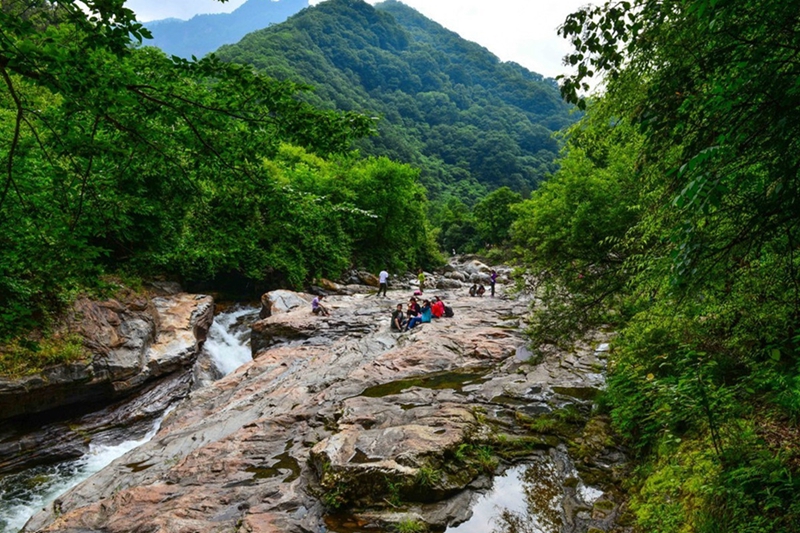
(333,410)
(130,343)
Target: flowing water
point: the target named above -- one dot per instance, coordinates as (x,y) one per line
(25,493)
(229,338)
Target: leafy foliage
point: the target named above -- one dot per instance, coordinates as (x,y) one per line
(674,218)
(116,158)
(448,106)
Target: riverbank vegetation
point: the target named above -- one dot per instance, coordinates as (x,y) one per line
(118,159)
(674,220)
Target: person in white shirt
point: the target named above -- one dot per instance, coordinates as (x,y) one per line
(383,278)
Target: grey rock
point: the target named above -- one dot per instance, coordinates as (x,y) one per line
(331,409)
(130,343)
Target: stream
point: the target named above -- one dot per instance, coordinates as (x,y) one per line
(22,494)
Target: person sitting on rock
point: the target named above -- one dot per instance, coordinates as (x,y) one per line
(413,307)
(437,307)
(317,308)
(414,314)
(473,290)
(398,318)
(481,290)
(426,311)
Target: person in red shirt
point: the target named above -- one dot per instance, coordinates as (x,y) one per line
(437,308)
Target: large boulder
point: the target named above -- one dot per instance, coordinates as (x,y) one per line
(281,301)
(332,287)
(476,267)
(480,278)
(382,448)
(454,274)
(130,342)
(447,283)
(368,279)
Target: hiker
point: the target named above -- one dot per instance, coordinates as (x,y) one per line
(317,308)
(413,307)
(481,290)
(426,312)
(437,307)
(414,314)
(421,278)
(398,320)
(473,290)
(383,279)
(493,280)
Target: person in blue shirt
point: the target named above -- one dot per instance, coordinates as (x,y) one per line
(426,314)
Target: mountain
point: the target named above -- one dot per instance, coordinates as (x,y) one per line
(471,122)
(205,33)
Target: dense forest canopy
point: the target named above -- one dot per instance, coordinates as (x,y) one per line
(674,219)
(117,160)
(671,217)
(470,122)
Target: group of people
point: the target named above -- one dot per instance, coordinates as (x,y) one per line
(416,314)
(478,289)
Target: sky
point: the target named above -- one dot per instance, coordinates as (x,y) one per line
(514,30)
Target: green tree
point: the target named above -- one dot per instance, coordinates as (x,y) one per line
(121,158)
(494,215)
(702,225)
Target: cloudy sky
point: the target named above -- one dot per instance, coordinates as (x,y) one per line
(515,30)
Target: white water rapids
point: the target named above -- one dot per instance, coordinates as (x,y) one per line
(24,494)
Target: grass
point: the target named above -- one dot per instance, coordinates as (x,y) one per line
(25,357)
(410,526)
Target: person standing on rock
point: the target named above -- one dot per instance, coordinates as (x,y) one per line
(317,308)
(493,280)
(421,278)
(398,320)
(383,279)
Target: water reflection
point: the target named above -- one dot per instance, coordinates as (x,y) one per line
(539,496)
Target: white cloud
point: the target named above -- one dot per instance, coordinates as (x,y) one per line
(514,30)
(182,9)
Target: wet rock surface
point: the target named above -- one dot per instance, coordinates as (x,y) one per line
(339,416)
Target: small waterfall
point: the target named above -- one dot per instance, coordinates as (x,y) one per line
(24,494)
(228,341)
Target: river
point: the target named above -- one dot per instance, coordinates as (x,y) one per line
(24,493)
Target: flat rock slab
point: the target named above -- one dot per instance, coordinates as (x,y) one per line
(337,411)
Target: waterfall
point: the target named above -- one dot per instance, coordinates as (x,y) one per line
(24,494)
(228,341)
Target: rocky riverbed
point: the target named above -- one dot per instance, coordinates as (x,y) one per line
(339,424)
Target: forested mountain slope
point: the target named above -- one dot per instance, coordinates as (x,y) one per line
(470,121)
(205,33)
